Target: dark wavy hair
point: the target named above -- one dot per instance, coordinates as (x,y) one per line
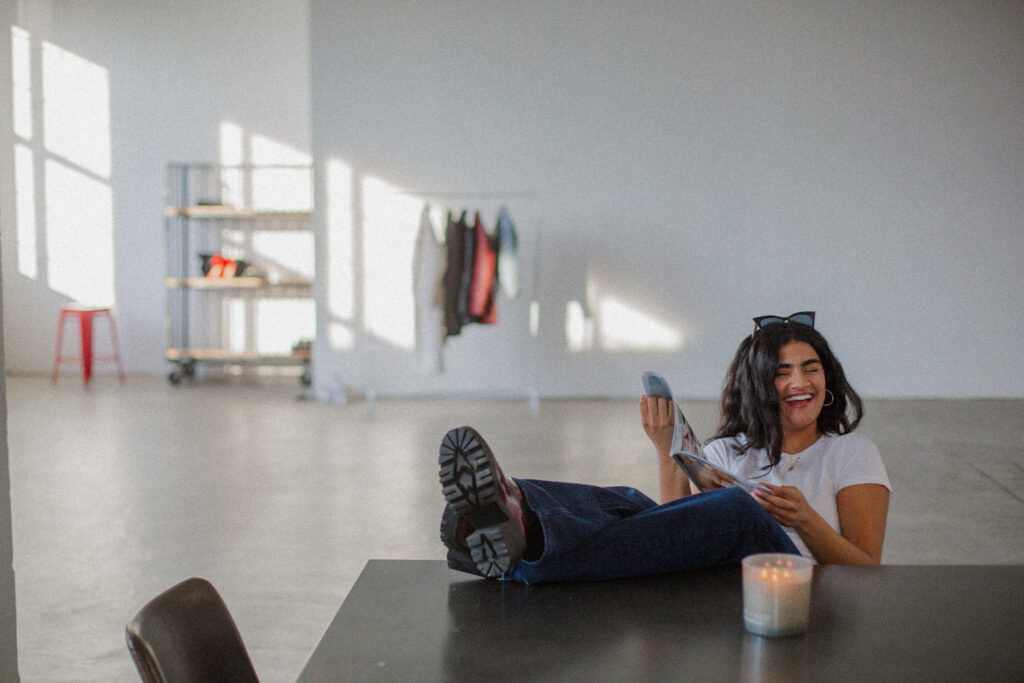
(750,403)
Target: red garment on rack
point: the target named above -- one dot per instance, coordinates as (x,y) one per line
(485,270)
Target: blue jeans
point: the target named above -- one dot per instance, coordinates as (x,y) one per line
(594,533)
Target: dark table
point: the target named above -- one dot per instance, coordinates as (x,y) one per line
(420,621)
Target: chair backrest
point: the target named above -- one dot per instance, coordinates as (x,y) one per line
(187,634)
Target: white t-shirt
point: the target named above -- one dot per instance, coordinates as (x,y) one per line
(831,463)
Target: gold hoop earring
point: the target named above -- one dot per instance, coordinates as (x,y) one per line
(831,399)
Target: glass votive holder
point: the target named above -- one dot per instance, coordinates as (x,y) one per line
(776,593)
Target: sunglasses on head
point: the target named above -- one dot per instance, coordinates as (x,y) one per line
(801,318)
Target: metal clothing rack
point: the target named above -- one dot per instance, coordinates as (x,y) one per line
(446,199)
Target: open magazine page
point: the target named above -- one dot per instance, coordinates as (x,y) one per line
(707,476)
(686,447)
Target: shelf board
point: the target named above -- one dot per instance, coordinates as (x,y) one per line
(250,283)
(230,212)
(226,357)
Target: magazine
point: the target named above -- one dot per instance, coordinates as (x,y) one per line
(686,448)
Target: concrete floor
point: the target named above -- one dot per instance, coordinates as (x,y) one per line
(120,491)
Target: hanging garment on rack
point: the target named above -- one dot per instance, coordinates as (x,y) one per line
(508,254)
(468,263)
(485,272)
(455,241)
(428,262)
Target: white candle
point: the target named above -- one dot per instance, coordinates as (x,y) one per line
(776,594)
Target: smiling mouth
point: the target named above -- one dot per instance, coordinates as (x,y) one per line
(799,399)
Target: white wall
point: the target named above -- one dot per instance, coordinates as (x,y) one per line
(699,163)
(167,76)
(705,163)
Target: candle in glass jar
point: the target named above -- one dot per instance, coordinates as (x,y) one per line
(776,593)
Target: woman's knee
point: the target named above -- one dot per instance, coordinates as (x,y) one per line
(633,495)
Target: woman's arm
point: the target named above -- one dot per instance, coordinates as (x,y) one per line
(672,481)
(658,418)
(863,510)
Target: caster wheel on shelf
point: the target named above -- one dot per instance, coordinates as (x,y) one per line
(175,377)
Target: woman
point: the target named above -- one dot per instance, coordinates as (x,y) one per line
(788,416)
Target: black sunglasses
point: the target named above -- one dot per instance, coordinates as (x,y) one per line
(801,318)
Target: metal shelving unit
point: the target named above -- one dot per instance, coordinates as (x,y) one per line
(243,214)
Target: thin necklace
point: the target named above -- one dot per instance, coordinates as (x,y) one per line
(793,464)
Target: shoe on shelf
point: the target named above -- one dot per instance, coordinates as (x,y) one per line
(216,266)
(478,492)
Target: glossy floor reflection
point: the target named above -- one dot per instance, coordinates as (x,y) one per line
(120,491)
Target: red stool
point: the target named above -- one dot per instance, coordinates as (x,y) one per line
(85,315)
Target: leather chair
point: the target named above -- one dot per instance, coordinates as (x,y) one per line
(187,634)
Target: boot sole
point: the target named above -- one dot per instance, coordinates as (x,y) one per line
(459,559)
(468,475)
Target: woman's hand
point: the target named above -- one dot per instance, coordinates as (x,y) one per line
(658,418)
(862,508)
(785,503)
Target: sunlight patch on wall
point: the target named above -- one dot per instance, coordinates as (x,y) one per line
(280,322)
(285,256)
(579,329)
(610,323)
(260,174)
(341,276)
(266,151)
(267,326)
(25,210)
(232,153)
(281,180)
(391,219)
(231,144)
(237,325)
(282,189)
(76,110)
(62,171)
(24,160)
(623,327)
(79,235)
(21,82)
